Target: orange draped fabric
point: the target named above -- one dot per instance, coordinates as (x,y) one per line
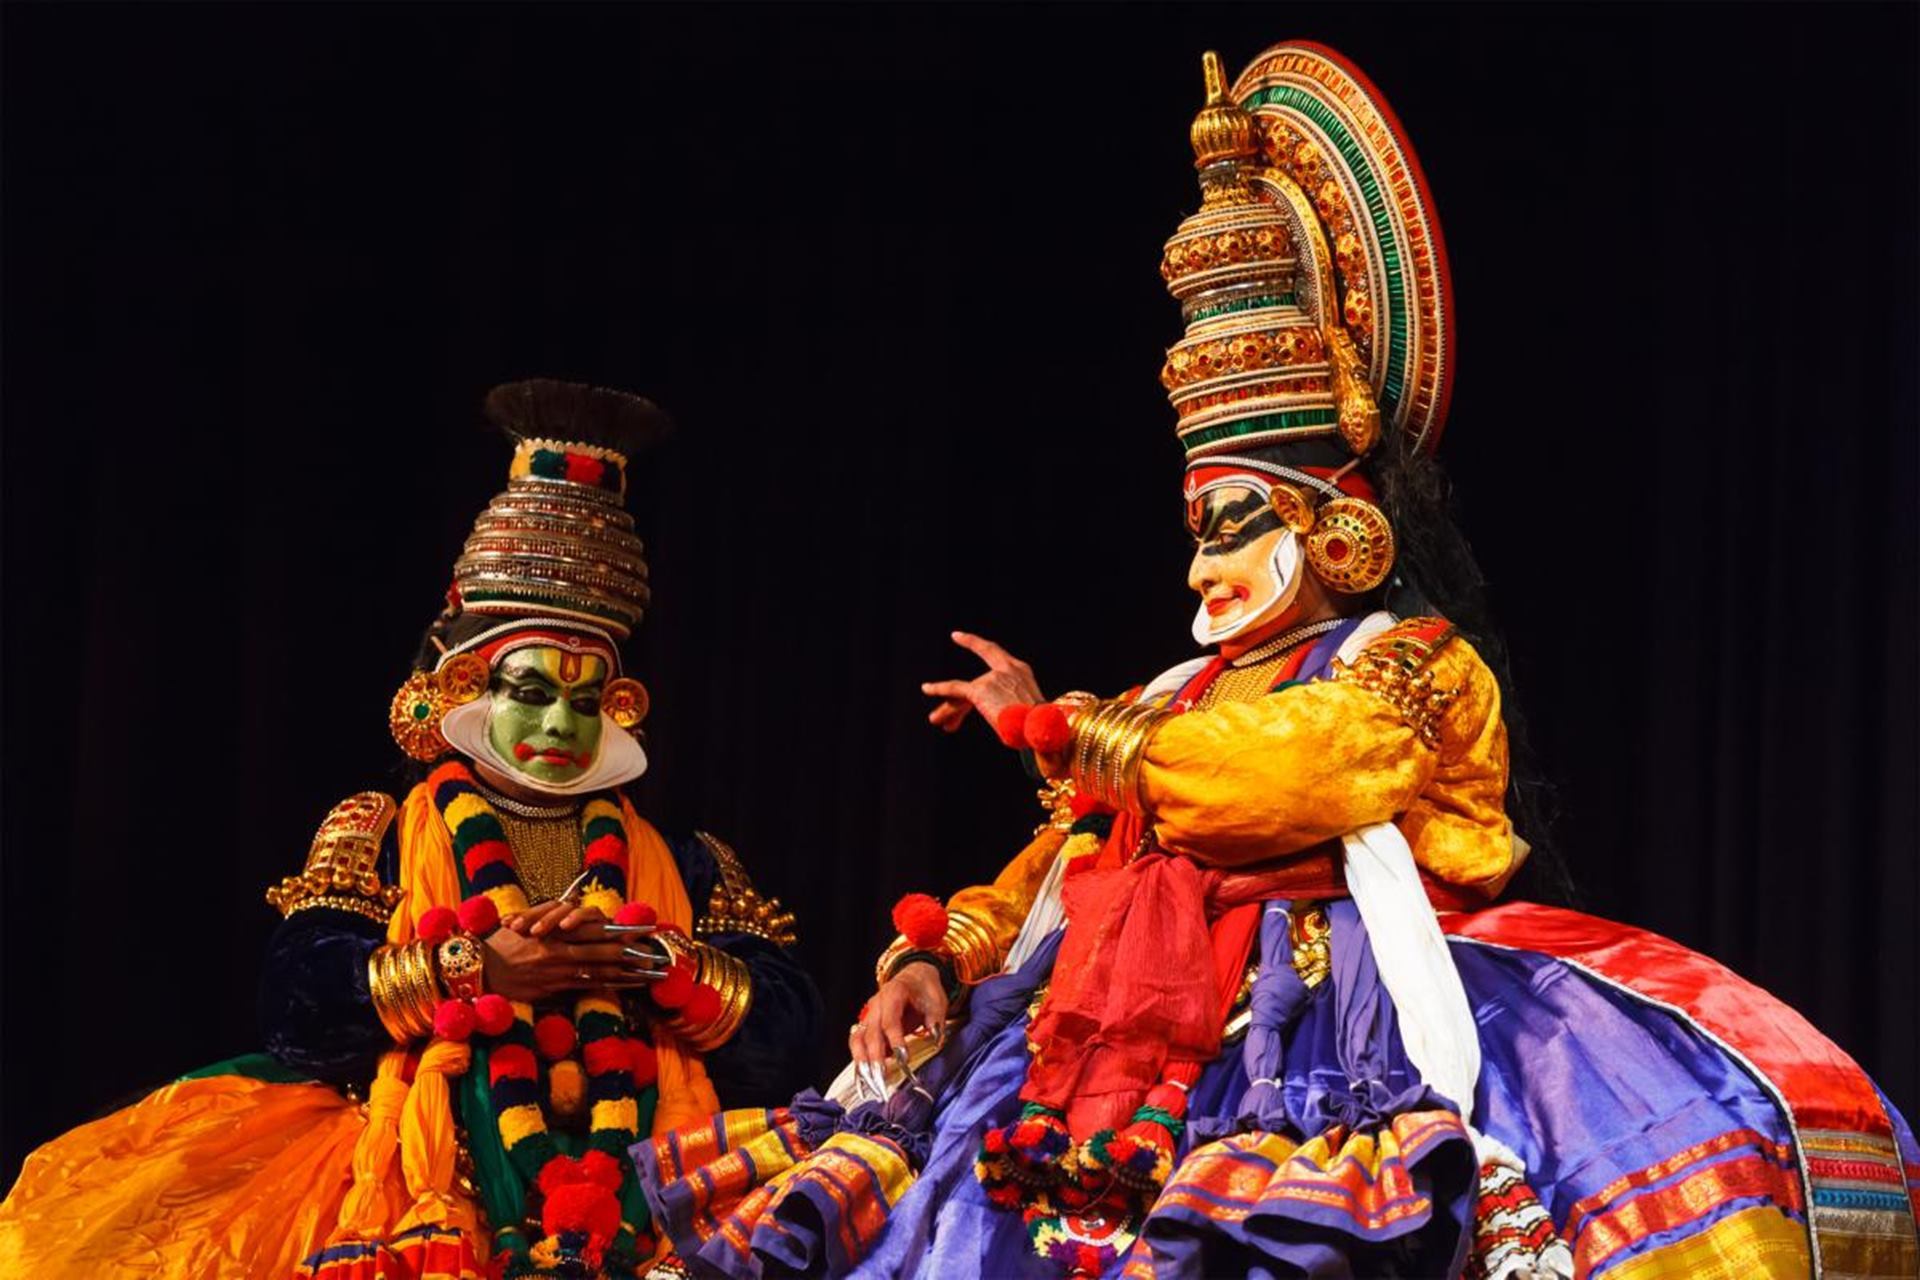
(230,1176)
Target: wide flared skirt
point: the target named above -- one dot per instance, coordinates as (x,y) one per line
(1658,1140)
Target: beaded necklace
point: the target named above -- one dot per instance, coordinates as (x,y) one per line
(589,1204)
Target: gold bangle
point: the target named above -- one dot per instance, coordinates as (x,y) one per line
(729,977)
(425,988)
(969,946)
(377,988)
(883,967)
(389,997)
(1108,747)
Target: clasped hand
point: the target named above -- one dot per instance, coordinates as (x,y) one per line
(561,946)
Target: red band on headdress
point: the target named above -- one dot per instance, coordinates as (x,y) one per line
(1353,483)
(541,634)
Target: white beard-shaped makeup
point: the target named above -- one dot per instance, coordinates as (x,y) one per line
(1283,584)
(620,758)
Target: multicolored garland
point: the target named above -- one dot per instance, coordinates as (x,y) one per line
(581,1199)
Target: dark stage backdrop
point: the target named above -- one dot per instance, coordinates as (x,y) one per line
(894,272)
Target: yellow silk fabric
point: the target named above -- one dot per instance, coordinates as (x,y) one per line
(227,1176)
(1245,782)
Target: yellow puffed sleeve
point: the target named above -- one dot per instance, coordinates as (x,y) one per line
(1245,782)
(1001,907)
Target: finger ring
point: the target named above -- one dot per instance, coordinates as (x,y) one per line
(857,1028)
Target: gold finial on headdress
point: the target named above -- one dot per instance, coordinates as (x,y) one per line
(1223,130)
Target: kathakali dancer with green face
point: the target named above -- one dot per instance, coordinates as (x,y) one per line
(1258,1001)
(480,998)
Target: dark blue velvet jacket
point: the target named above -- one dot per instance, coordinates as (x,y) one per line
(317,1015)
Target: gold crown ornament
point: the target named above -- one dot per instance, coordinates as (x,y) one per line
(559,541)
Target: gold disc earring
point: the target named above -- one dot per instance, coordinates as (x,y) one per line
(625,701)
(1350,547)
(423,701)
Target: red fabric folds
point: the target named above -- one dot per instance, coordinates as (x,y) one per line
(1135,985)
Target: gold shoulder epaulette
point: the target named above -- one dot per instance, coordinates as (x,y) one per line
(343,866)
(735,906)
(1394,666)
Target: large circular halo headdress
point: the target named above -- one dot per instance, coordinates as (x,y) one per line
(1313,278)
(1325,126)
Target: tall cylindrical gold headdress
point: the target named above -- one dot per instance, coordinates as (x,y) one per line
(558,541)
(1313,278)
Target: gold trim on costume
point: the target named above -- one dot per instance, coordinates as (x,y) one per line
(1393,667)
(1311,935)
(343,863)
(735,906)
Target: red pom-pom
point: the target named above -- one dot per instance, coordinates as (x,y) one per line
(608,848)
(646,1067)
(511,1062)
(609,1053)
(703,1006)
(436,925)
(561,1171)
(601,1169)
(554,1035)
(479,915)
(1011,724)
(673,991)
(453,1020)
(492,1014)
(484,854)
(581,1206)
(1170,1098)
(1047,729)
(921,919)
(582,469)
(636,913)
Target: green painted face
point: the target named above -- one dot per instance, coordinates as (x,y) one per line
(545,720)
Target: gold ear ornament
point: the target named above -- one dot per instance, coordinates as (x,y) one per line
(424,700)
(1350,547)
(1293,507)
(625,702)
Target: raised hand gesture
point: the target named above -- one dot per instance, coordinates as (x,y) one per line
(1007,681)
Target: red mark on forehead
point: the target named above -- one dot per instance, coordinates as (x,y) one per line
(570,667)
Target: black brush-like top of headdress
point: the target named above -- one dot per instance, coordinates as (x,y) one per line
(578,413)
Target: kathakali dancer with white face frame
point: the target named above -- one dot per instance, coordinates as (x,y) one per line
(1252,1003)
(513,969)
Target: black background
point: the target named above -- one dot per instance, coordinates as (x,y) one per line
(894,272)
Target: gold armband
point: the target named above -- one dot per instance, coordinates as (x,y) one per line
(735,906)
(727,975)
(405,990)
(1393,667)
(1109,741)
(967,946)
(343,863)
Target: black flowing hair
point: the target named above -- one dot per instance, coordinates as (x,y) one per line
(1435,573)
